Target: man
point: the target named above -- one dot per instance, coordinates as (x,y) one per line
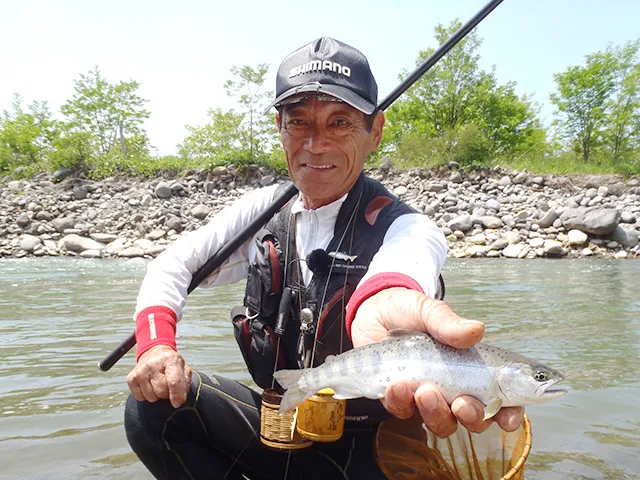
(356,263)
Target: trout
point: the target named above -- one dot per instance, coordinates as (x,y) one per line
(495,376)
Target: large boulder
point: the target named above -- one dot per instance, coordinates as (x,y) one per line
(462,223)
(594,220)
(78,244)
(626,237)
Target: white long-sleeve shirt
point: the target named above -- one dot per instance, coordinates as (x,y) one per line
(413,245)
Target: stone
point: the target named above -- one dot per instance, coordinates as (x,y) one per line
(155,250)
(91,254)
(434,187)
(478,239)
(499,244)
(553,248)
(536,242)
(76,243)
(491,222)
(63,223)
(23,220)
(504,181)
(103,237)
(455,177)
(28,243)
(462,223)
(267,180)
(493,204)
(200,211)
(548,218)
(156,234)
(620,254)
(627,217)
(576,237)
(174,223)
(131,252)
(594,220)
(520,178)
(162,190)
(400,191)
(513,238)
(624,236)
(513,250)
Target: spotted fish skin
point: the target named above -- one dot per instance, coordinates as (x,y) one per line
(491,374)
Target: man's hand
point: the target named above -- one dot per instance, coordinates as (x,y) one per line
(412,310)
(160,373)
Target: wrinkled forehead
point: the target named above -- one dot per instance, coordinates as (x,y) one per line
(303,102)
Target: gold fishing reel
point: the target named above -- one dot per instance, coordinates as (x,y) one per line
(320,418)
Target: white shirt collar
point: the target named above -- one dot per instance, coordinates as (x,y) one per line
(328,210)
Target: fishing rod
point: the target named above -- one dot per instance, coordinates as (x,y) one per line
(254,226)
(211,265)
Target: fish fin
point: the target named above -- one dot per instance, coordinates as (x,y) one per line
(294,396)
(399,332)
(344,395)
(492,408)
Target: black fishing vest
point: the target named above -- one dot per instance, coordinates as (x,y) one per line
(309,320)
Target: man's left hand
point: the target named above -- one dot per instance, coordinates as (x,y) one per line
(408,309)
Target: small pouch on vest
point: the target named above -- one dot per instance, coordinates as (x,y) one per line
(258,344)
(264,282)
(254,324)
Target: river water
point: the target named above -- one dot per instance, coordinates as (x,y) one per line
(60,417)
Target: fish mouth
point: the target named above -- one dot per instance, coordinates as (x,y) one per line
(549,393)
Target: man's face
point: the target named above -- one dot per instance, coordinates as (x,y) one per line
(326,145)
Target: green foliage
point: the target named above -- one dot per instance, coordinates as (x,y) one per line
(111,113)
(217,138)
(240,137)
(259,129)
(581,99)
(598,106)
(458,112)
(26,137)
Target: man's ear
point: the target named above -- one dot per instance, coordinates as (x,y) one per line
(376,130)
(278,120)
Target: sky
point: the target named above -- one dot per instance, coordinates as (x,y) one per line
(182,52)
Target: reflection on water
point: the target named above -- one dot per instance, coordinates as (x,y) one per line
(60,417)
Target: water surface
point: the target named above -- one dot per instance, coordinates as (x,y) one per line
(60,417)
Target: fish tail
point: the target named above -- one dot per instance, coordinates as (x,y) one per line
(292,380)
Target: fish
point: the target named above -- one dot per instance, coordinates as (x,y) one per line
(495,376)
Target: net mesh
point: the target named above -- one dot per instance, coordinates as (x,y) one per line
(406,450)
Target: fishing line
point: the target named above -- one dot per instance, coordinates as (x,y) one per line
(326,286)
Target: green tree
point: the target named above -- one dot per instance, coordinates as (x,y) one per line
(26,137)
(457,107)
(622,134)
(241,135)
(112,113)
(221,136)
(246,87)
(581,101)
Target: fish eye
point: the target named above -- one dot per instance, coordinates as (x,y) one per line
(541,376)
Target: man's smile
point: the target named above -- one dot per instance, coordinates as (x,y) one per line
(319,167)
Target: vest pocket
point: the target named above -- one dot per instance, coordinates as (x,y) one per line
(259,346)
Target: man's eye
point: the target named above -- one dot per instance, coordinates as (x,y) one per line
(341,122)
(296,122)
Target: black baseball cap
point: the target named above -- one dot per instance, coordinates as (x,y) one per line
(327,67)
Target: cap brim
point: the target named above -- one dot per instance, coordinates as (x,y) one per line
(341,93)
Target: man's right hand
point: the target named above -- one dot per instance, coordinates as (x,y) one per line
(161,372)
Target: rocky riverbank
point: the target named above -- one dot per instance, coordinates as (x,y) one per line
(485,213)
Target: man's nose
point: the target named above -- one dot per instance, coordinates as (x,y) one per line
(317,141)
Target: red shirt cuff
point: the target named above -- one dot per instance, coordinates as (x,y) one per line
(155,326)
(373,285)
